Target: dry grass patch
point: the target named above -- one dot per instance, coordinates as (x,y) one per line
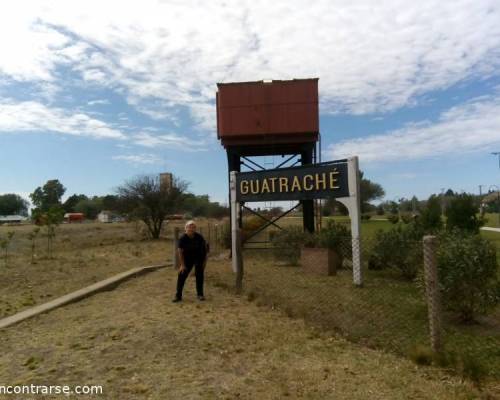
(138,344)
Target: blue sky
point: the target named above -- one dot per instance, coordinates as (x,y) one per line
(93,93)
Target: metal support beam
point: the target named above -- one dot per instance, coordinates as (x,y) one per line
(271,222)
(262,217)
(288,159)
(253,162)
(307,205)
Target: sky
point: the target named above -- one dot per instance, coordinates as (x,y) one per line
(96,92)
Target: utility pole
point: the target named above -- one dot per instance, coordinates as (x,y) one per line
(497,153)
(442,201)
(481,190)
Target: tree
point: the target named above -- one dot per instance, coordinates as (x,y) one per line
(144,198)
(72,201)
(430,217)
(369,191)
(461,214)
(13,204)
(43,198)
(110,202)
(89,207)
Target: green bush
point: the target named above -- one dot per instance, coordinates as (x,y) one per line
(399,248)
(365,217)
(461,214)
(287,243)
(337,237)
(430,217)
(468,274)
(393,218)
(406,218)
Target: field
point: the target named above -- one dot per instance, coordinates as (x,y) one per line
(137,344)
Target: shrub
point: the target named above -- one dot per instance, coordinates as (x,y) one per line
(337,237)
(468,274)
(365,217)
(461,214)
(398,248)
(430,217)
(393,218)
(406,218)
(287,243)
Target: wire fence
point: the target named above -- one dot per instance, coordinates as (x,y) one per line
(399,308)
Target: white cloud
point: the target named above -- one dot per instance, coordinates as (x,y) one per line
(30,116)
(98,102)
(369,56)
(474,126)
(139,158)
(170,140)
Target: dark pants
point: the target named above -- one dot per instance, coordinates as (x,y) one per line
(181,278)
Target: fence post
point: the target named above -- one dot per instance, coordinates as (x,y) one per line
(239,262)
(209,235)
(432,292)
(176,253)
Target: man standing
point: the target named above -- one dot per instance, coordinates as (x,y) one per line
(193,250)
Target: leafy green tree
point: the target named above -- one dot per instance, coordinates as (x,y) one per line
(89,207)
(72,201)
(202,206)
(145,199)
(430,217)
(50,220)
(12,203)
(43,198)
(461,214)
(110,202)
(369,191)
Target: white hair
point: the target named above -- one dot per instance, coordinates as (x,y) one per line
(190,222)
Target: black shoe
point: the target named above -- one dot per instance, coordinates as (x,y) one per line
(201,298)
(176,299)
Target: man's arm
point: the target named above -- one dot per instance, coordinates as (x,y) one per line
(206,247)
(182,266)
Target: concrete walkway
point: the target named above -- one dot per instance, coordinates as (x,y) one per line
(106,284)
(488,228)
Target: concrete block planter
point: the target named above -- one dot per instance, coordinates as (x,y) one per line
(320,261)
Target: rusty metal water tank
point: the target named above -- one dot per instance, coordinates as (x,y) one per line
(268,112)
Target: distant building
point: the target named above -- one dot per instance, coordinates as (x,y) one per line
(12,219)
(73,217)
(105,216)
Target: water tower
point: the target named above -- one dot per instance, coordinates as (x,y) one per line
(267,118)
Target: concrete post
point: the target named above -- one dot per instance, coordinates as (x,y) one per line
(239,262)
(175,257)
(432,292)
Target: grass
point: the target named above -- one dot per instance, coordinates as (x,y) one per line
(137,344)
(387,313)
(83,254)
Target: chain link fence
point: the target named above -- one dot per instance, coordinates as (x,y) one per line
(399,308)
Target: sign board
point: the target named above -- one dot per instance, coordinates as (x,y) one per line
(300,183)
(338,179)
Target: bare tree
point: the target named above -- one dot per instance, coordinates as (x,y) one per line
(146,199)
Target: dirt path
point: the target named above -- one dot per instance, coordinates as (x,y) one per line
(137,344)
